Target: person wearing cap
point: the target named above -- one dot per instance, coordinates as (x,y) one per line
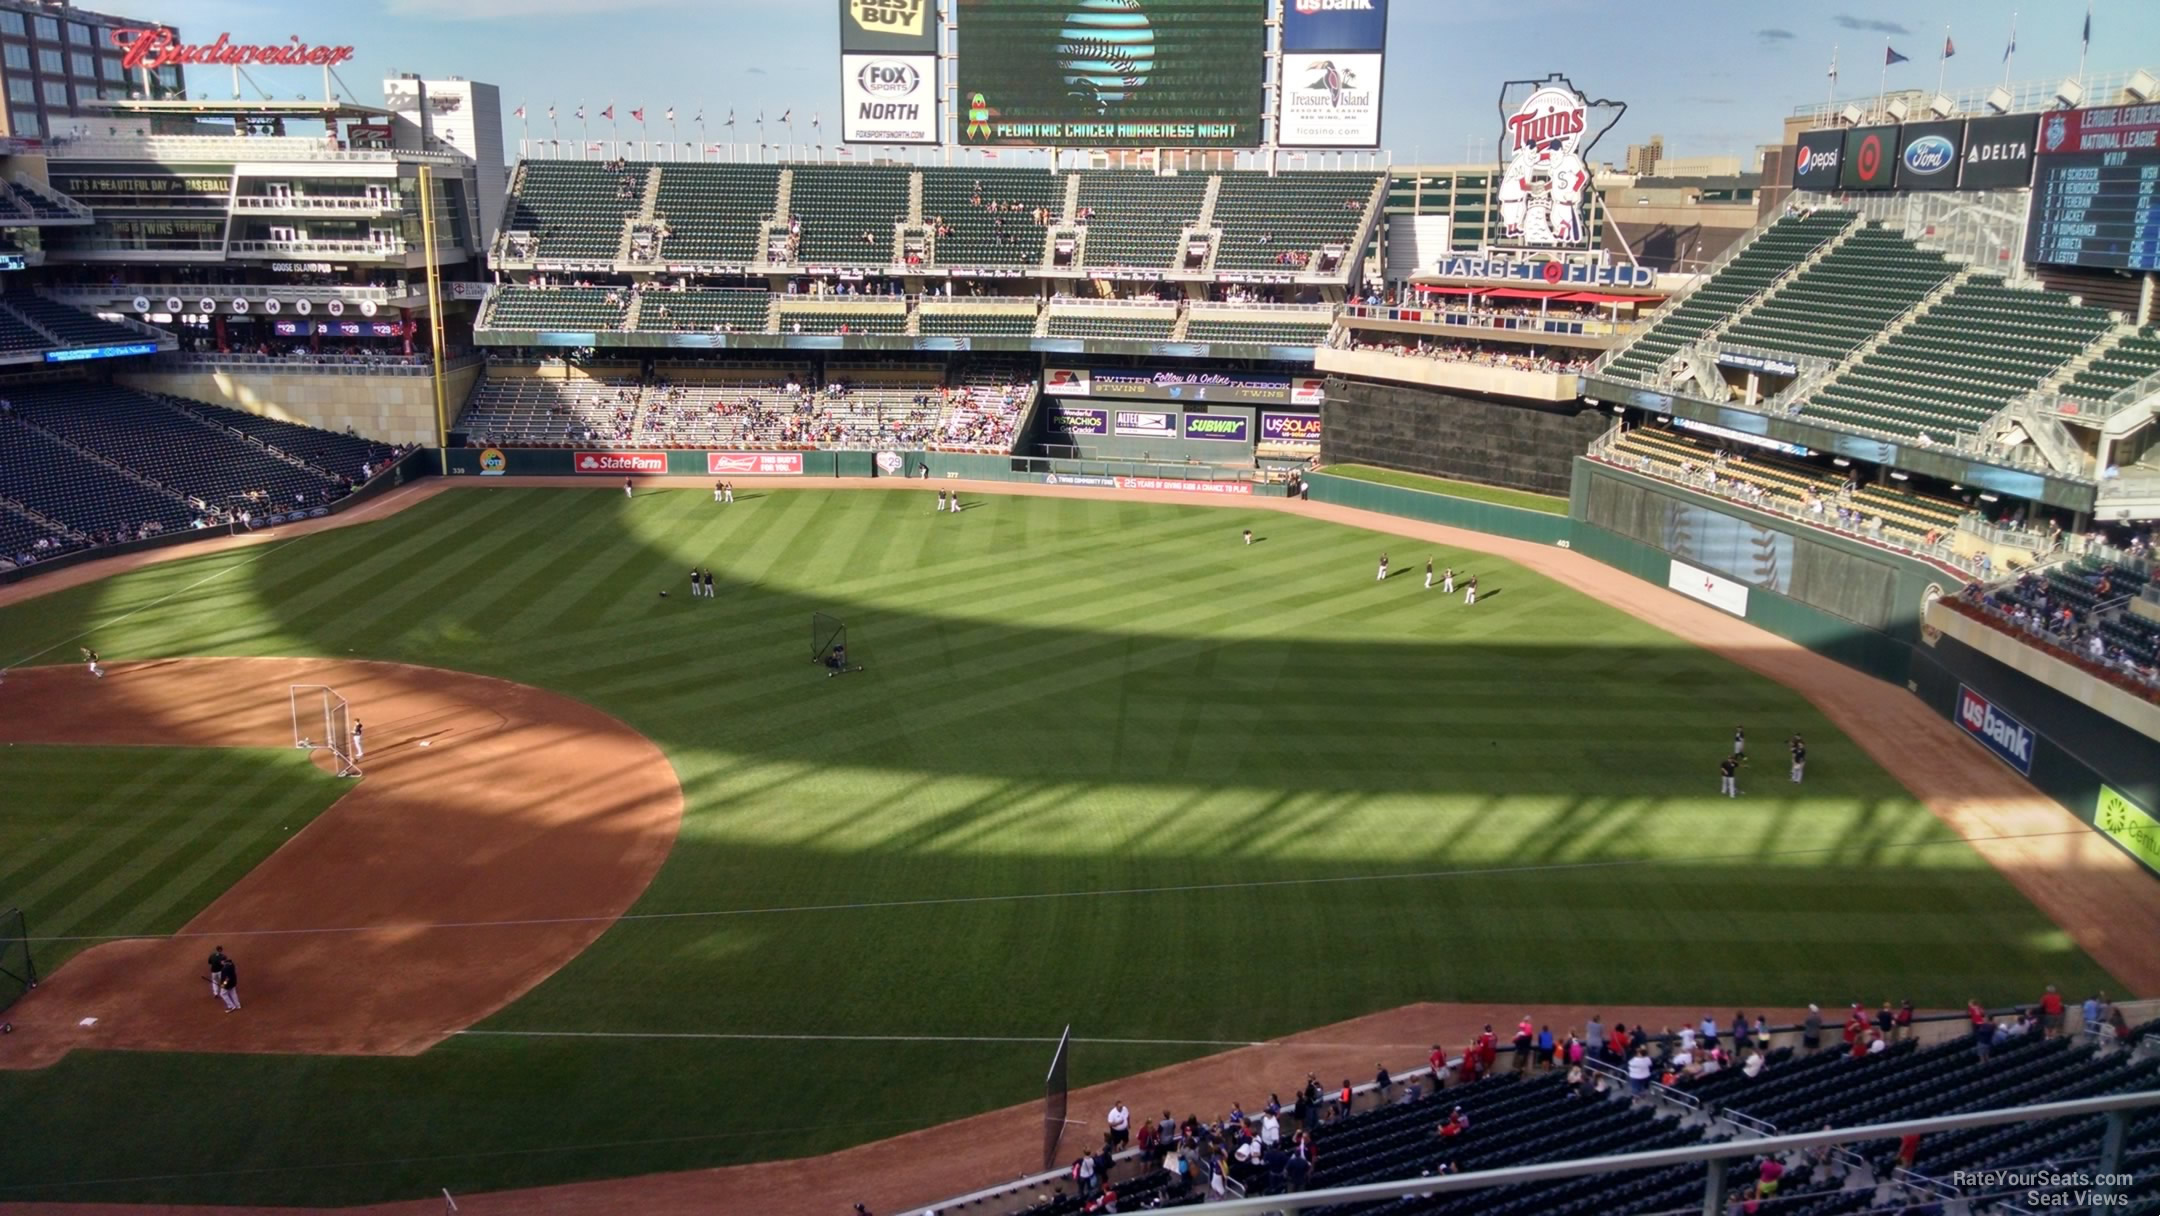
(1811,1029)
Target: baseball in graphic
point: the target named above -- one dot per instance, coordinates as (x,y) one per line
(1106,51)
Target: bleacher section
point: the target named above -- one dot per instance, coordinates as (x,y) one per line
(1964,359)
(1782,246)
(1098,322)
(749,408)
(715,213)
(839,205)
(1137,216)
(537,412)
(17,338)
(24,540)
(979,236)
(557,308)
(1263,216)
(63,484)
(575,208)
(1791,486)
(1856,291)
(334,454)
(1274,329)
(1518,1119)
(2117,367)
(889,318)
(72,326)
(983,321)
(724,311)
(144,434)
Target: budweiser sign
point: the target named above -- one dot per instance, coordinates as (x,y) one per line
(749,464)
(619,462)
(159,46)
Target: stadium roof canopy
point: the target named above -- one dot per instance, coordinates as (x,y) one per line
(297,108)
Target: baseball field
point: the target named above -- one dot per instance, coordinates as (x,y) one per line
(1106,765)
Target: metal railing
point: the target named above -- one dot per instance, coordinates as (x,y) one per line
(2023,97)
(340,204)
(189,293)
(309,364)
(240,148)
(1565,325)
(2089,411)
(393,247)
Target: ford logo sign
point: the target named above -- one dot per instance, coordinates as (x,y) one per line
(1929,154)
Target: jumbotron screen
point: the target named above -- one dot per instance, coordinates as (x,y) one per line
(1111,73)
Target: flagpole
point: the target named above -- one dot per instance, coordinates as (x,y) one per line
(1943,65)
(1830,95)
(524,130)
(2084,43)
(2010,52)
(1882,89)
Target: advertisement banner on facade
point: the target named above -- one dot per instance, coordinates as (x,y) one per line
(888,99)
(493,463)
(1147,424)
(1065,382)
(619,462)
(1079,479)
(1870,159)
(1722,593)
(907,27)
(1308,390)
(1290,428)
(1225,428)
(1929,154)
(1184,487)
(1145,385)
(2102,129)
(1329,100)
(2011,740)
(1998,152)
(1815,160)
(2129,825)
(1075,420)
(754,464)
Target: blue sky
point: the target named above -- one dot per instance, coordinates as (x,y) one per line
(1715,78)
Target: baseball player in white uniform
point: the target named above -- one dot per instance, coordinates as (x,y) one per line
(719,488)
(1428,574)
(1739,741)
(357,731)
(1382,576)
(1470,591)
(1447,581)
(627,492)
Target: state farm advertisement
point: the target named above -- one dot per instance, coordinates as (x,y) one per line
(619,462)
(1184,487)
(754,464)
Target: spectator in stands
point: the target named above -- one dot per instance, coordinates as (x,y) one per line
(1638,1070)
(2051,1012)
(1811,1029)
(1119,1124)
(1903,1021)
(1383,1084)
(1594,1034)
(1982,1033)
(1525,1036)
(1752,1062)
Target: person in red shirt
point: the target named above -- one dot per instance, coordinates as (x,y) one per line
(1855,1024)
(1904,1019)
(1438,1062)
(1977,1015)
(1488,1049)
(2051,1012)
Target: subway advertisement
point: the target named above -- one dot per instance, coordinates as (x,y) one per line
(1112,73)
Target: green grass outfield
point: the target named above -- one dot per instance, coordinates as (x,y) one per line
(101,840)
(1108,766)
(1550,504)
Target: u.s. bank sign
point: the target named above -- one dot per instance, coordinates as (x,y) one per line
(2011,740)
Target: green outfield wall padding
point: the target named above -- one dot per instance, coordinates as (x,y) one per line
(1441,509)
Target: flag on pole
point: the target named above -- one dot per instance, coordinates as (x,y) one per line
(787,115)
(1891,56)
(813,122)
(551,113)
(730,119)
(609,113)
(2010,48)
(1949,47)
(518,113)
(2085,39)
(671,113)
(581,112)
(1833,65)
(638,115)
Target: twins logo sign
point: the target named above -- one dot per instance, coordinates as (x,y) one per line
(2011,740)
(1546,139)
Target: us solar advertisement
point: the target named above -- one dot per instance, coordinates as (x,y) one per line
(1111,73)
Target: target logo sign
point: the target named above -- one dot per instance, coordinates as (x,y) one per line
(1869,161)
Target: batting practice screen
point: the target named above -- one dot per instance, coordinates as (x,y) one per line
(18,973)
(1111,73)
(1057,1099)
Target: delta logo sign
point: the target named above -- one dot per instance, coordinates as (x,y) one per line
(620,462)
(2010,740)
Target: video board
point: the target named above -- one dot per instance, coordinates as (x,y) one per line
(2096,191)
(1111,73)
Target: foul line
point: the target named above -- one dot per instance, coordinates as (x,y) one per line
(1039,896)
(215,574)
(746,1037)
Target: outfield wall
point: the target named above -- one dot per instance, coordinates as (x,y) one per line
(1539,526)
(1866,608)
(1521,445)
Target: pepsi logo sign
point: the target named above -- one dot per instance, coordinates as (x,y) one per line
(1929,155)
(2011,740)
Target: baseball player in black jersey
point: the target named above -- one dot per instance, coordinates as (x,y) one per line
(217,972)
(228,976)
(708,584)
(1799,757)
(1729,776)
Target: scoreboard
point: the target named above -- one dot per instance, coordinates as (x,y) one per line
(2097,209)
